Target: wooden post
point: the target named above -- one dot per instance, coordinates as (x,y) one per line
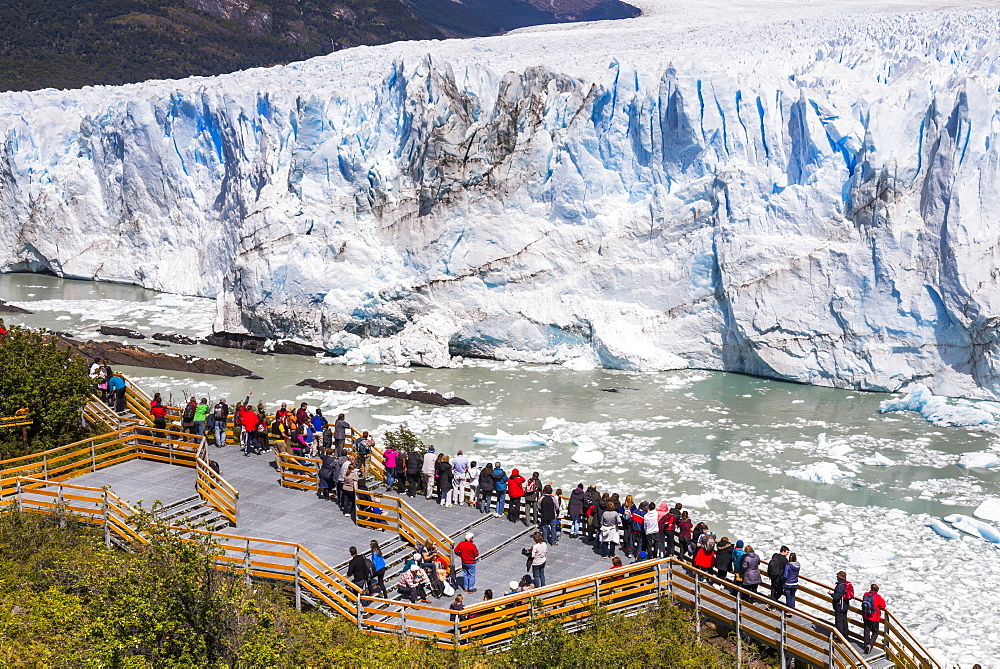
(107,519)
(402,619)
(247,566)
(20,502)
(59,508)
(659,590)
(597,592)
(360,609)
(739,634)
(458,630)
(93,458)
(24,437)
(45,467)
(782,639)
(829,661)
(697,607)
(298,586)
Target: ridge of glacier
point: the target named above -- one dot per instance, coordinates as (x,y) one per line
(805,195)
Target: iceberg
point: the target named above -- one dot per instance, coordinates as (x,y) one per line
(502,438)
(552,423)
(877,460)
(942,529)
(974,527)
(979,460)
(820,472)
(988,510)
(935,409)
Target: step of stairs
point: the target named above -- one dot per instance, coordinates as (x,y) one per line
(193,513)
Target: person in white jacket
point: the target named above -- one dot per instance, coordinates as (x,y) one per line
(539,553)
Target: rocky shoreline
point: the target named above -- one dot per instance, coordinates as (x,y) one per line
(134,356)
(422,396)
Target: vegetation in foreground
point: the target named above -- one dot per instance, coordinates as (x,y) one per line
(50,381)
(66,600)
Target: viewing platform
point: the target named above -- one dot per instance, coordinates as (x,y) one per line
(267,522)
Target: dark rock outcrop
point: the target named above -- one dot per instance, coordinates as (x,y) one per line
(423,396)
(260,345)
(133,356)
(111,331)
(175,339)
(12,309)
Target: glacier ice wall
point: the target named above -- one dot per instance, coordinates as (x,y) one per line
(818,204)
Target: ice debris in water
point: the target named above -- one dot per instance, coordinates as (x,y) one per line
(586,451)
(502,438)
(935,409)
(976,528)
(552,423)
(988,510)
(877,460)
(942,529)
(979,460)
(820,472)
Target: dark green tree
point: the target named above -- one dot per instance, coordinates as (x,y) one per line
(48,379)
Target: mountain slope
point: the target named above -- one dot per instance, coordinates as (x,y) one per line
(479,18)
(73,44)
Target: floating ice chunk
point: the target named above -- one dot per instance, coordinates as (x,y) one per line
(587,456)
(391,419)
(935,409)
(820,472)
(979,460)
(988,510)
(581,364)
(942,529)
(839,450)
(878,460)
(400,385)
(585,443)
(502,438)
(697,501)
(361,390)
(976,528)
(552,423)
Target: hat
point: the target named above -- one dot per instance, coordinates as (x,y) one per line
(642,555)
(414,567)
(468,536)
(514,585)
(739,544)
(416,556)
(514,472)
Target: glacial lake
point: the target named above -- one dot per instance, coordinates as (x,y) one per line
(738,450)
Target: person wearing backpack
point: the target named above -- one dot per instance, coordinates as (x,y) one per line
(723,557)
(872,606)
(363,449)
(776,572)
(668,531)
(500,487)
(842,594)
(548,510)
(576,510)
(515,488)
(220,414)
(738,554)
(158,412)
(651,528)
(200,414)
(378,570)
(532,492)
(486,487)
(187,418)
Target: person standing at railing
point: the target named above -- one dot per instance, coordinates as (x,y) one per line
(302,415)
(413,463)
(791,580)
(485,491)
(472,484)
(515,488)
(611,523)
(460,473)
(200,414)
(116,392)
(576,509)
(340,428)
(187,417)
(468,555)
(401,471)
(220,416)
(776,572)
(443,474)
(158,412)
(349,491)
(389,457)
(499,487)
(872,606)
(548,509)
(723,557)
(532,492)
(684,528)
(842,594)
(319,423)
(750,571)
(651,530)
(343,462)
(363,450)
(249,421)
(427,472)
(327,474)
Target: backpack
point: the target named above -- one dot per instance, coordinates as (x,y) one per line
(530,486)
(363,447)
(868,605)
(848,591)
(378,562)
(710,546)
(370,567)
(189,412)
(219,412)
(669,522)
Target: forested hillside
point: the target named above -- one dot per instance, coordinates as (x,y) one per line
(72,44)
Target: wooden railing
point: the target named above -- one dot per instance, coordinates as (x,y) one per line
(298,471)
(216,491)
(380,512)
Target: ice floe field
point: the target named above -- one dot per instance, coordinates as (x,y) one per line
(822,470)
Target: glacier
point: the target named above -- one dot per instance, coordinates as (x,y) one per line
(799,192)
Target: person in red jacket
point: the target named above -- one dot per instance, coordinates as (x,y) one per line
(704,556)
(515,490)
(158,412)
(872,606)
(469,555)
(250,421)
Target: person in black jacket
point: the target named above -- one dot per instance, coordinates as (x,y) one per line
(548,511)
(575,509)
(841,602)
(723,557)
(327,474)
(400,472)
(591,499)
(776,572)
(486,482)
(414,461)
(357,570)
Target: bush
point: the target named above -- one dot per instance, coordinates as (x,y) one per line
(403,439)
(49,380)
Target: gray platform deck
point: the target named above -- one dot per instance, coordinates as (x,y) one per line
(269,511)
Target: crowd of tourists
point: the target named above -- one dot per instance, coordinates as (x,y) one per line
(641,530)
